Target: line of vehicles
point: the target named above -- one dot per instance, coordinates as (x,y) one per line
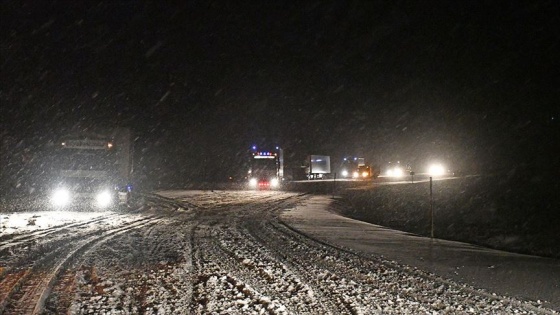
(95,169)
(267,170)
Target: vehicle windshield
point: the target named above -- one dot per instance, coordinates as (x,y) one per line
(84,184)
(79,159)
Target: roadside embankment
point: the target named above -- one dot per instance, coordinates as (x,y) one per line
(497,212)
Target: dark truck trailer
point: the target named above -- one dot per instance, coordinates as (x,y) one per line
(92,169)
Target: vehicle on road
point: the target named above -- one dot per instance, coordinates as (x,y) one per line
(355,167)
(266,168)
(318,166)
(92,169)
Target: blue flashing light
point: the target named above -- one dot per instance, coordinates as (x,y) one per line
(254,147)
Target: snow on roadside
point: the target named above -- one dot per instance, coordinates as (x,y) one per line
(25,222)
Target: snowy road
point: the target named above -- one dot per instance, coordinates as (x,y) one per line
(210,252)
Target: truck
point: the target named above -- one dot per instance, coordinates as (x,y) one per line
(318,166)
(266,168)
(92,169)
(355,167)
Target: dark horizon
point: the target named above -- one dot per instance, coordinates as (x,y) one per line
(473,84)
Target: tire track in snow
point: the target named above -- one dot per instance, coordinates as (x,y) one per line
(145,272)
(269,239)
(400,287)
(271,272)
(24,239)
(217,289)
(28,294)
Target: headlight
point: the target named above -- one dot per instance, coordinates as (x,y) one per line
(274,182)
(344,173)
(104,199)
(365,174)
(395,172)
(253,182)
(436,170)
(61,197)
(355,174)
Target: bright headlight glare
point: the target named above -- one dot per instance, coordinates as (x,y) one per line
(253,182)
(104,199)
(365,174)
(397,172)
(60,197)
(274,182)
(345,173)
(436,170)
(355,174)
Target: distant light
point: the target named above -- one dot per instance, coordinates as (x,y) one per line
(395,172)
(254,147)
(344,159)
(355,174)
(436,170)
(344,173)
(277,148)
(365,174)
(109,145)
(253,182)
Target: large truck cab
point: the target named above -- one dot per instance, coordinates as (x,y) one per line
(92,170)
(355,168)
(266,168)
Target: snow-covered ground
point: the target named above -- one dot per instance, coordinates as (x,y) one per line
(211,252)
(26,222)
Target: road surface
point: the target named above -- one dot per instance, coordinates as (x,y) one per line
(211,252)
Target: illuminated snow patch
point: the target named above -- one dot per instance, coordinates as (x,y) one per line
(22,222)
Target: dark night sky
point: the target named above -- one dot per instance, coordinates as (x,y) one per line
(473,83)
